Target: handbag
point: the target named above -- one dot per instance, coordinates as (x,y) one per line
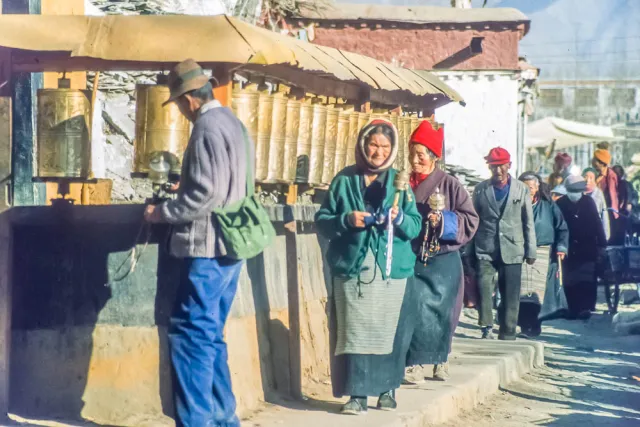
(245,227)
(530,305)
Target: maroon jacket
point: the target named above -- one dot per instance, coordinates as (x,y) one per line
(460,217)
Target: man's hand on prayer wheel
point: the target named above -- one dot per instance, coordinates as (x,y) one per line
(173,188)
(357,219)
(561,255)
(152,214)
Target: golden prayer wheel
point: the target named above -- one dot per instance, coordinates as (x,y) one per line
(64,129)
(158,128)
(265,117)
(344,122)
(406,124)
(402,143)
(393,118)
(330,142)
(363,119)
(291,140)
(352,139)
(303,148)
(244,103)
(276,142)
(316,156)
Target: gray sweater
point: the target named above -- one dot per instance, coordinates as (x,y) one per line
(214,171)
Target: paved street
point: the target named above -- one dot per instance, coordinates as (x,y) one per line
(587,381)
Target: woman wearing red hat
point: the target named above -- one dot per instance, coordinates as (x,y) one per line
(437,284)
(369,302)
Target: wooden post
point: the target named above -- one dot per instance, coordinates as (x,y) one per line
(365,107)
(293,293)
(6,250)
(5,129)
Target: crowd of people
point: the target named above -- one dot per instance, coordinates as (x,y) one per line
(396,266)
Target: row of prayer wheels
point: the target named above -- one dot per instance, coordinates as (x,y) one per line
(296,140)
(307,142)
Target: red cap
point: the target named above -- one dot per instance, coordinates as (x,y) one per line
(498,156)
(563,158)
(427,136)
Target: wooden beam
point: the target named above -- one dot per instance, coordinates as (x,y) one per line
(293,295)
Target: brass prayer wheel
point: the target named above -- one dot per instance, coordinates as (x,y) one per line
(406,121)
(393,118)
(316,155)
(265,117)
(158,128)
(303,149)
(402,144)
(244,103)
(344,122)
(276,142)
(354,129)
(330,142)
(363,119)
(64,129)
(291,140)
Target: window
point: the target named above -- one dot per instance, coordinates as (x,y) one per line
(551,98)
(586,98)
(622,98)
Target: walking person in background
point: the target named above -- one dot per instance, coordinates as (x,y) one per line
(370,310)
(627,198)
(586,244)
(607,181)
(438,277)
(552,239)
(214,174)
(561,169)
(592,190)
(504,240)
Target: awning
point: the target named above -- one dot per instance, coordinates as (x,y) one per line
(74,43)
(565,133)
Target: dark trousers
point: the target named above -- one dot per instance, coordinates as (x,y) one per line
(203,394)
(509,281)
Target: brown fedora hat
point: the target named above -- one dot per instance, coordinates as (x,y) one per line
(185,77)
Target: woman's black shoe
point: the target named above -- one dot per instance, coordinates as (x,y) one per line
(355,406)
(387,401)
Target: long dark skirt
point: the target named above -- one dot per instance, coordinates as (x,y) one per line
(438,289)
(371,375)
(580,286)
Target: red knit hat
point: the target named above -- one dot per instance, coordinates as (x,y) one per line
(563,158)
(498,156)
(427,136)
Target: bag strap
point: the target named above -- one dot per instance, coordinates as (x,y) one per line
(247,148)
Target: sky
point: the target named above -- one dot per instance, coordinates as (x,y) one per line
(571,39)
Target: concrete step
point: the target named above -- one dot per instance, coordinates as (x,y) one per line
(479,368)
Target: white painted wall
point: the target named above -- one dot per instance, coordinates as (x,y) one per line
(489,119)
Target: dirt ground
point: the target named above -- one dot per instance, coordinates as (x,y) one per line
(588,380)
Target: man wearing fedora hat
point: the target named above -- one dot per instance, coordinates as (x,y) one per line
(505,239)
(214,170)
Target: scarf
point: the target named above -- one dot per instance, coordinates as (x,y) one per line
(361,157)
(416,179)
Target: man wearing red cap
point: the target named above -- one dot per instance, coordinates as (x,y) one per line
(505,238)
(561,166)
(437,284)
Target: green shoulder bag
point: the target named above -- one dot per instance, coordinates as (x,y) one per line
(245,225)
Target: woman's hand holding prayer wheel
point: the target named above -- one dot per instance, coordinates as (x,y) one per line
(434,219)
(357,219)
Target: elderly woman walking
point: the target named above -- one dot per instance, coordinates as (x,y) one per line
(586,241)
(369,335)
(552,240)
(437,284)
(592,190)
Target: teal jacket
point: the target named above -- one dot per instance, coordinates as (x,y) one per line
(348,245)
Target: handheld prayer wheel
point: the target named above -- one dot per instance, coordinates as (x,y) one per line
(265,117)
(303,148)
(318,125)
(354,119)
(402,144)
(291,140)
(158,128)
(399,163)
(64,129)
(276,142)
(344,122)
(330,142)
(244,103)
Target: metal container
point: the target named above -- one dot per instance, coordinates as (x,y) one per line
(330,142)
(291,140)
(352,138)
(316,156)
(303,149)
(244,104)
(64,129)
(265,119)
(276,142)
(344,120)
(159,129)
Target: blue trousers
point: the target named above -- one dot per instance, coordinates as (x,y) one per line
(202,387)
